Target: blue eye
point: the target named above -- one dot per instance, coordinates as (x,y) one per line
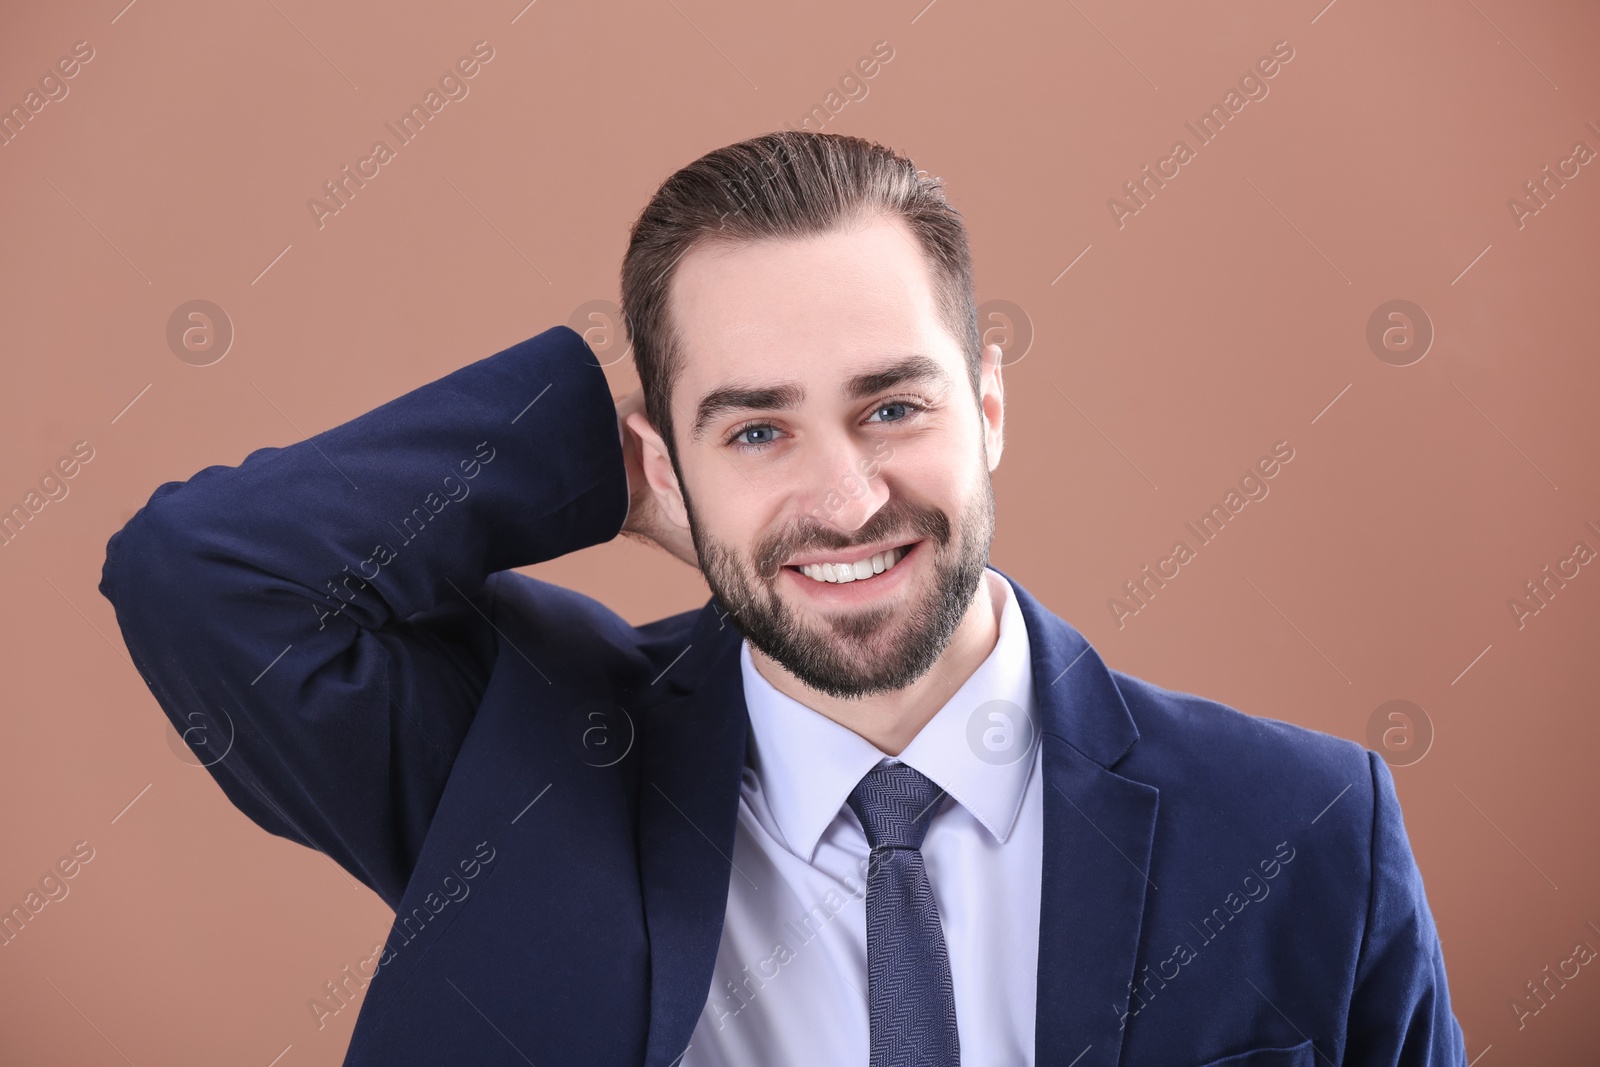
(759,436)
(903,405)
(759,428)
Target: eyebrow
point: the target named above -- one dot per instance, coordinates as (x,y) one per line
(788,395)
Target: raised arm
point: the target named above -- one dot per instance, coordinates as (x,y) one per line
(316,620)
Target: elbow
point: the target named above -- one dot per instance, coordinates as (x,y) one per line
(146,562)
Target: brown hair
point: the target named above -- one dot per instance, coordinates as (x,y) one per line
(785,184)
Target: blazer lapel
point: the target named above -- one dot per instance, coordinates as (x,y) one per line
(1098,830)
(692,751)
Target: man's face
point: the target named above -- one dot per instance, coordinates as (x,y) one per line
(824,417)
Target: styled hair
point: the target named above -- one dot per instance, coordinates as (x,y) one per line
(783,185)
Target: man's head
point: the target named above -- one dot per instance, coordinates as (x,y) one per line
(802,318)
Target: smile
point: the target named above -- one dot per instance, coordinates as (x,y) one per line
(861,570)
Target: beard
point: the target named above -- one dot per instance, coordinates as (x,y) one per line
(851,654)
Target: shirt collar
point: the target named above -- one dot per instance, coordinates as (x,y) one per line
(979,747)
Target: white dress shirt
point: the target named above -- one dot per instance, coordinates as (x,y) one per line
(790,984)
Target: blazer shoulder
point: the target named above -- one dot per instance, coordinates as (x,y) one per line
(1191,742)
(584,632)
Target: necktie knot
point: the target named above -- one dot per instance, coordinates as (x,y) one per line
(896,804)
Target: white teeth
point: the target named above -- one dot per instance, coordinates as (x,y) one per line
(842,573)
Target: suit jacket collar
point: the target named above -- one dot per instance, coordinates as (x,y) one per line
(692,751)
(1098,833)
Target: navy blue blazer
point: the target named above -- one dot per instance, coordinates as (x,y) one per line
(546,794)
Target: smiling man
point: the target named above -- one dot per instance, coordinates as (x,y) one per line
(786,526)
(872,802)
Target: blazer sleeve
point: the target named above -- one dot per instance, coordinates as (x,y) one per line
(1400,1008)
(315,622)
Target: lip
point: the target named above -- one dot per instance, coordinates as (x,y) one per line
(854,554)
(862,590)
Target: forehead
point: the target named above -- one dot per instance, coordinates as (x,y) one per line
(815,310)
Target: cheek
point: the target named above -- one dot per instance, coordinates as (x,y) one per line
(733,508)
(935,473)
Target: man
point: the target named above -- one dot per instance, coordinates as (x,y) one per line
(872,802)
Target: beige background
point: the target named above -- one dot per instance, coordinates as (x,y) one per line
(1228,314)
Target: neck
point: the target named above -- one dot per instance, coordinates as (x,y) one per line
(891,720)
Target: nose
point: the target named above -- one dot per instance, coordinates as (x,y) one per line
(844,487)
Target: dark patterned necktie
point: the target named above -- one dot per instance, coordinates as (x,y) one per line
(909,992)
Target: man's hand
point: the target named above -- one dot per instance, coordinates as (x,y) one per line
(645,521)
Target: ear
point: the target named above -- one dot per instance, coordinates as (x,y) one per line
(658,472)
(993,404)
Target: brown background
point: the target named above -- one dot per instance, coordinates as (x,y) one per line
(1227,315)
